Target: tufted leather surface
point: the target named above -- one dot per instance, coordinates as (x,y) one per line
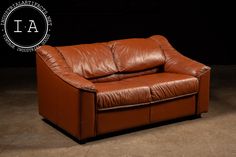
(89,60)
(144,89)
(136,54)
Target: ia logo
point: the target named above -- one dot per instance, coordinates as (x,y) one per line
(26,26)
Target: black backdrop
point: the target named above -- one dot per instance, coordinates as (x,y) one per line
(200,30)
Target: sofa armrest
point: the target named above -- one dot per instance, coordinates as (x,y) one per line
(65,98)
(55,61)
(77,81)
(176,62)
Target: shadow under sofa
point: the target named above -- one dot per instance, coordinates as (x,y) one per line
(94,89)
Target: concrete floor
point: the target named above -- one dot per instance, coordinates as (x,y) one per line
(24,134)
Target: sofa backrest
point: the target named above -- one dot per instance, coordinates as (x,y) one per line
(89,60)
(133,55)
(114,60)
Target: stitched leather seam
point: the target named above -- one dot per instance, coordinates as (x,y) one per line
(202,73)
(160,44)
(59,52)
(113,57)
(80,115)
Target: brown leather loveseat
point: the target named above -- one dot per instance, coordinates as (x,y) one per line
(93,89)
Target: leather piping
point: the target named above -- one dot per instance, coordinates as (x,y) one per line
(143,104)
(113,56)
(196,104)
(80,115)
(202,73)
(159,44)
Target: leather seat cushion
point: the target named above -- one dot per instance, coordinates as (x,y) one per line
(170,85)
(120,93)
(89,60)
(136,54)
(144,89)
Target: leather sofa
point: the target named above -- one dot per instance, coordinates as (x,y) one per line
(94,89)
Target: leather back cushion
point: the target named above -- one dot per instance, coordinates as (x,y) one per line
(120,76)
(89,60)
(136,54)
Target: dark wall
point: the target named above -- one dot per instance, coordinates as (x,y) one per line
(200,30)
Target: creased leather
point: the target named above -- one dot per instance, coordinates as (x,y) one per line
(120,76)
(144,89)
(119,93)
(176,62)
(89,60)
(57,64)
(170,85)
(125,80)
(136,54)
(66,106)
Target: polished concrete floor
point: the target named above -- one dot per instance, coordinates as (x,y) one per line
(24,134)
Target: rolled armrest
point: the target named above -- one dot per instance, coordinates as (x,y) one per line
(55,61)
(176,62)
